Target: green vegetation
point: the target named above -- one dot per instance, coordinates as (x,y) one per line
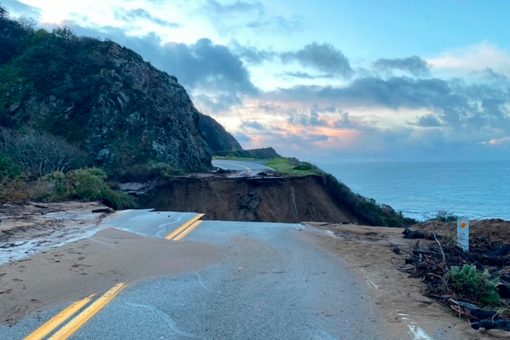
(286,166)
(8,167)
(473,284)
(365,210)
(146,172)
(37,165)
(444,216)
(82,184)
(293,167)
(37,153)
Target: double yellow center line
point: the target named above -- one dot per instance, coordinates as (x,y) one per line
(79,320)
(185,229)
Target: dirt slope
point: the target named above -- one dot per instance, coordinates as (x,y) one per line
(290,199)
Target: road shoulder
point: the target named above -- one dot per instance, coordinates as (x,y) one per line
(366,250)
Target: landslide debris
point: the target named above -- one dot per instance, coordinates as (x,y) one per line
(474,284)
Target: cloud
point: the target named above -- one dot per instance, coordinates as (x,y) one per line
(322,57)
(414,65)
(278,23)
(205,64)
(248,15)
(372,91)
(306,75)
(453,116)
(235,8)
(140,13)
(473,58)
(253,125)
(498,141)
(310,119)
(457,104)
(19,9)
(251,54)
(428,121)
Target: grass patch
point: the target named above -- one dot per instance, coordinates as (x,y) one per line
(287,166)
(293,167)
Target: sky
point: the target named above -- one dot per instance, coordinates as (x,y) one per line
(325,81)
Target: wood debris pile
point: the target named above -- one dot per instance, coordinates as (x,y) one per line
(434,256)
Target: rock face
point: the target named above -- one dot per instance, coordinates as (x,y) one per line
(219,140)
(102,98)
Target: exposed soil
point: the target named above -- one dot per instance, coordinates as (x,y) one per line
(273,199)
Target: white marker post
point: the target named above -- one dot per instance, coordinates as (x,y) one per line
(463,233)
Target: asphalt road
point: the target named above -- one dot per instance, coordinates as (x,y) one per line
(245,168)
(270,283)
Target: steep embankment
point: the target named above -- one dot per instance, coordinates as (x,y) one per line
(269,199)
(102,98)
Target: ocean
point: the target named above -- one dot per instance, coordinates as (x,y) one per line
(422,189)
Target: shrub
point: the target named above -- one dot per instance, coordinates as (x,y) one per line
(38,153)
(444,216)
(146,172)
(82,184)
(8,167)
(14,190)
(303,167)
(469,282)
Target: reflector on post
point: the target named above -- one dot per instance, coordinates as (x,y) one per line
(463,233)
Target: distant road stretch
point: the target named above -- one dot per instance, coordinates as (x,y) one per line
(245,168)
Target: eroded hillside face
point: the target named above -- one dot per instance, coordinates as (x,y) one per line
(249,199)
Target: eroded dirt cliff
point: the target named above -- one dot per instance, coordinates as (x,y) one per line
(269,199)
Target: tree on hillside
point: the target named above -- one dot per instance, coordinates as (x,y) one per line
(3,12)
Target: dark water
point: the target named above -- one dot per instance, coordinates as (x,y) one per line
(422,189)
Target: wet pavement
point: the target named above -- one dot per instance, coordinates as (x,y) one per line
(270,283)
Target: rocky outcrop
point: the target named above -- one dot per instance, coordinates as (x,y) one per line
(217,138)
(103,98)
